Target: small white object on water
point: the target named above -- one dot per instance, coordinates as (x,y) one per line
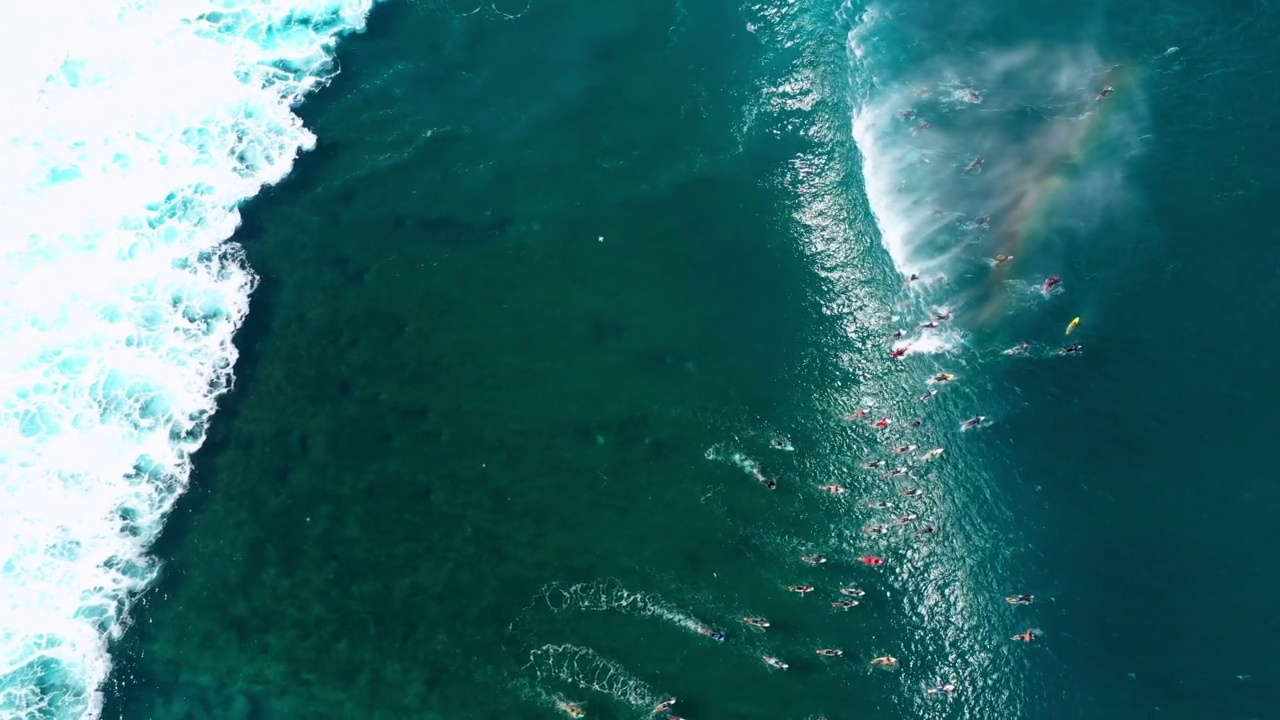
(600,239)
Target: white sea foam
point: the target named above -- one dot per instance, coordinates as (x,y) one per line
(131,132)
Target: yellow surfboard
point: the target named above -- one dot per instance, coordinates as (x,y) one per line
(1071,326)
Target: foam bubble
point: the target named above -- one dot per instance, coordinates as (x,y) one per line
(132,130)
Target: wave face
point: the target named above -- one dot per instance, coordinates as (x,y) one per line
(131,133)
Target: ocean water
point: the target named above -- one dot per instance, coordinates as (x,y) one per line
(514,336)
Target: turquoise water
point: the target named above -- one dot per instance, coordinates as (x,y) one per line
(553,278)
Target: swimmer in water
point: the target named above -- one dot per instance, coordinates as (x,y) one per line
(813,559)
(775,662)
(886,661)
(1020,599)
(973,422)
(913,492)
(941,689)
(781,444)
(844,604)
(766,481)
(717,635)
(932,455)
(1002,259)
(871,560)
(574,711)
(917,422)
(904,449)
(664,706)
(904,519)
(1017,349)
(831,652)
(927,396)
(942,378)
(1051,283)
(1071,349)
(1107,92)
(876,529)
(871,464)
(852,591)
(802,589)
(1027,636)
(833,489)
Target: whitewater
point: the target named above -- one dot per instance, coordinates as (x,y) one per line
(131,134)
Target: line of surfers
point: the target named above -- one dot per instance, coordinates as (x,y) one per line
(851,593)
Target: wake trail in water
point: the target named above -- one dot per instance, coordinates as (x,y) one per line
(131,133)
(586,669)
(609,594)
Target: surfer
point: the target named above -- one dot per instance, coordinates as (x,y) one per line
(941,316)
(831,652)
(833,489)
(1071,349)
(899,352)
(1020,599)
(1107,92)
(664,706)
(871,560)
(1027,636)
(1001,259)
(1051,283)
(927,530)
(973,422)
(766,481)
(908,114)
(756,622)
(717,635)
(880,505)
(984,222)
(871,464)
(886,661)
(975,165)
(941,689)
(913,492)
(781,444)
(1018,349)
(928,325)
(857,415)
(884,422)
(942,378)
(775,662)
(899,334)
(844,604)
(1071,326)
(802,589)
(574,711)
(932,455)
(904,449)
(895,473)
(852,591)
(876,529)
(917,422)
(927,396)
(813,559)
(905,519)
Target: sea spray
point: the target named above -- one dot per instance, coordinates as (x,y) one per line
(132,132)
